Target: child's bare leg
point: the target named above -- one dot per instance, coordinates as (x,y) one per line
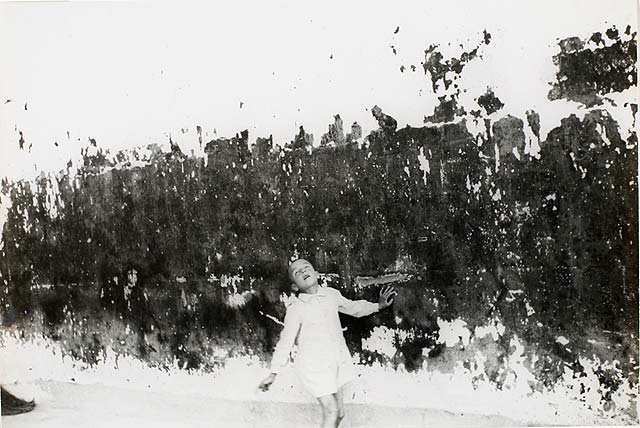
(340,401)
(329,410)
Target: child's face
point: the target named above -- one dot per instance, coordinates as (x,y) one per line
(303,275)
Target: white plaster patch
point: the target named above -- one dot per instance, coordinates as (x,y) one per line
(288,299)
(453,332)
(381,340)
(495,329)
(530,310)
(230,281)
(238,300)
(497,195)
(424,165)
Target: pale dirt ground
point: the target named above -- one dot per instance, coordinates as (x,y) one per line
(69,405)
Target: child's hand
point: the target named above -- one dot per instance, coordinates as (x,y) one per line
(386,296)
(266,383)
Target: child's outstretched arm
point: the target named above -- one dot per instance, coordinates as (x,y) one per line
(362,308)
(283,348)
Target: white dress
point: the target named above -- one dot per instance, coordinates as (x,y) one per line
(323,362)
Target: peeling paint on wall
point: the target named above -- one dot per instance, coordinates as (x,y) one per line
(514,253)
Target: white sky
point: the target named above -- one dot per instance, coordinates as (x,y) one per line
(128,74)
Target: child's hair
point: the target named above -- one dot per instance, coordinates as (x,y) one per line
(289,274)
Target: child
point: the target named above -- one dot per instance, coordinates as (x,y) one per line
(324,362)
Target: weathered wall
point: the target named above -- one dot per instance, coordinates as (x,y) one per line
(170,257)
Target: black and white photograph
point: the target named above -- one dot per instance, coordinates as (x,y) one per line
(355,214)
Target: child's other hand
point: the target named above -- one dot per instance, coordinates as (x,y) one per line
(266,383)
(386,296)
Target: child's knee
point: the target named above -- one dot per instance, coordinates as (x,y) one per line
(329,407)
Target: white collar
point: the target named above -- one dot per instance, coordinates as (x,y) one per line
(306,297)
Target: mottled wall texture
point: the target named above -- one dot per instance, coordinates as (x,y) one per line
(175,257)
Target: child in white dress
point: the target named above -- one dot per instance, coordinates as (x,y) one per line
(323,362)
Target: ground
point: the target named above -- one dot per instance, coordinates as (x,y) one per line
(71,405)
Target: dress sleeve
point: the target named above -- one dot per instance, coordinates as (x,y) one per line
(355,308)
(287,338)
